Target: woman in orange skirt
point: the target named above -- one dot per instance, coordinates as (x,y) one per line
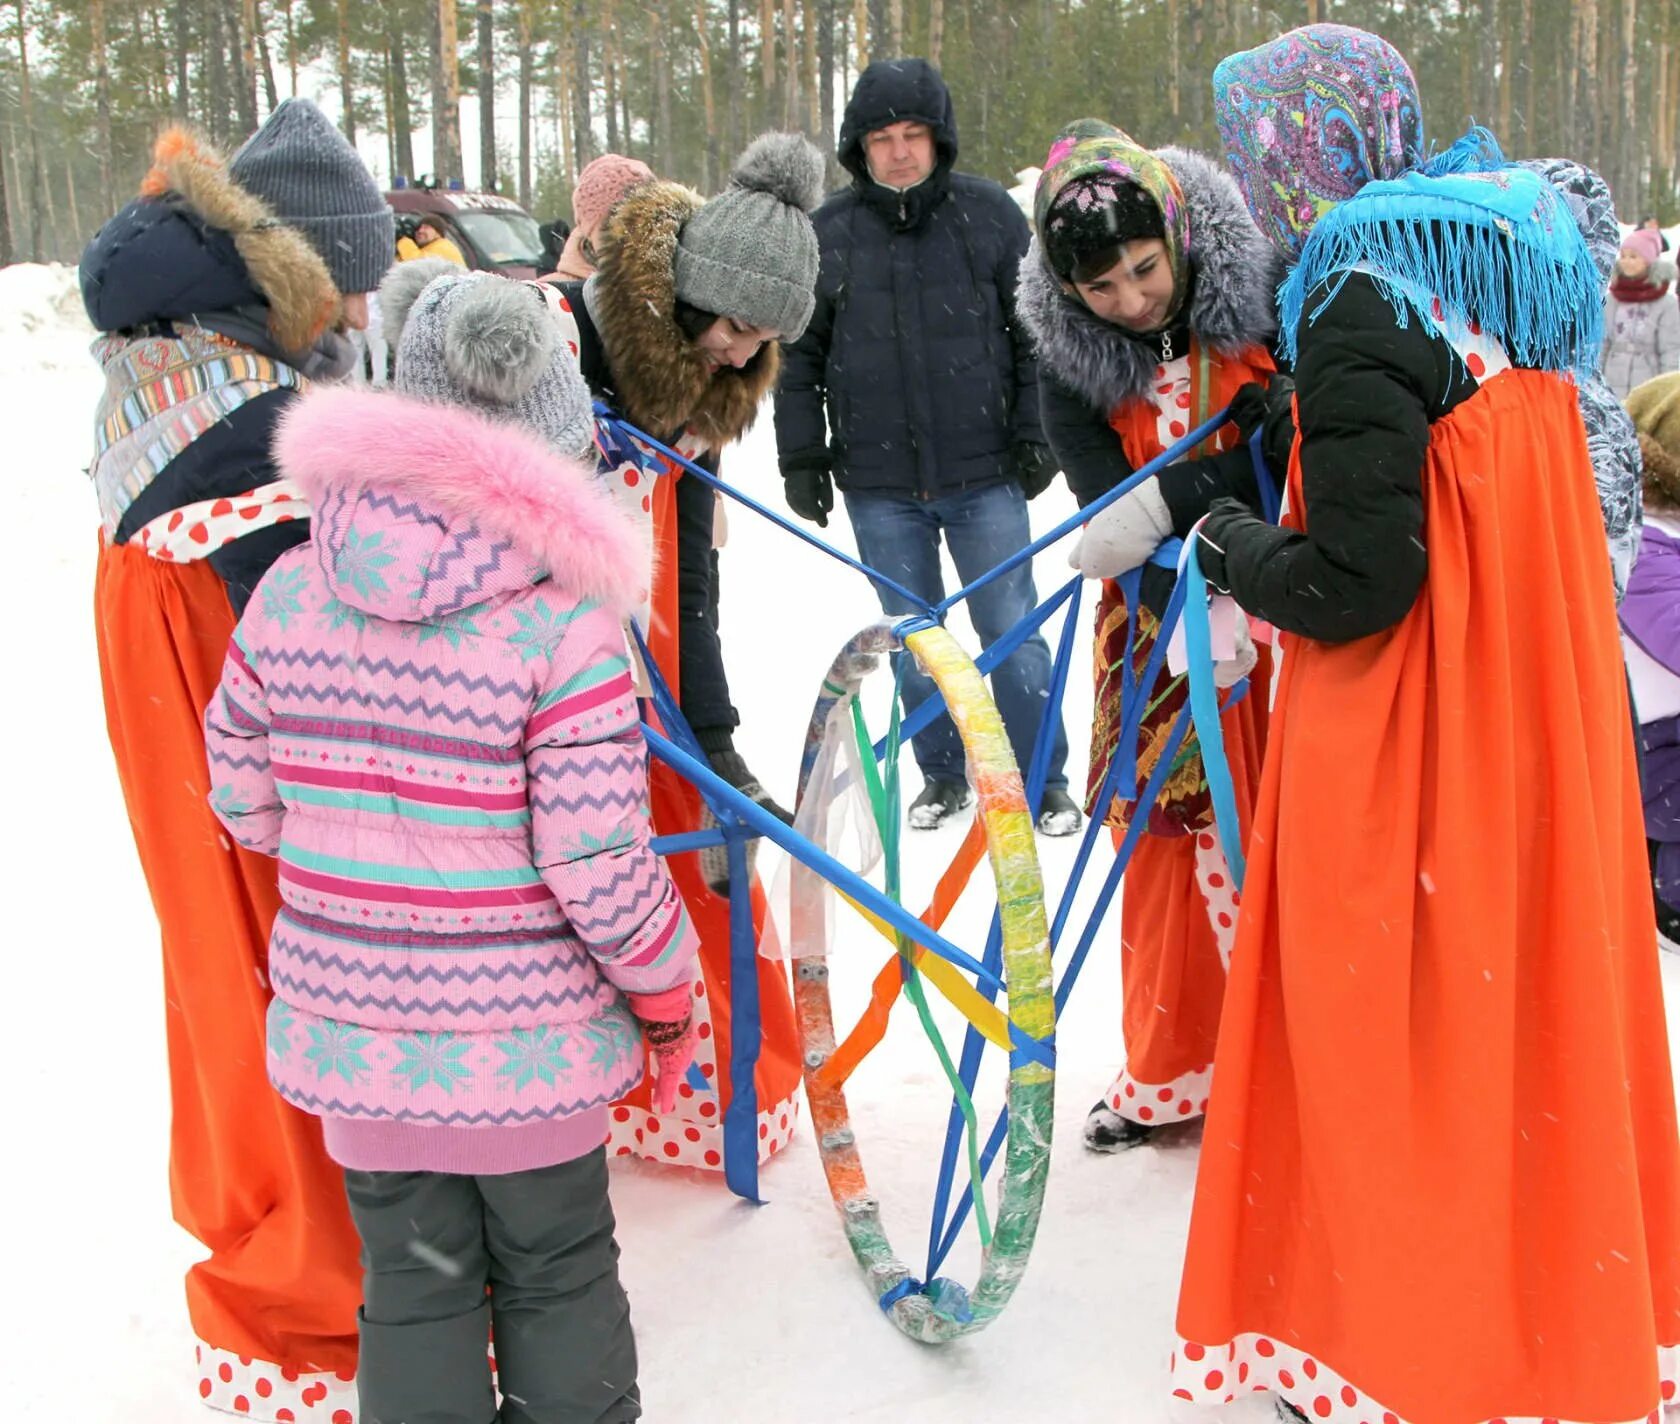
(1148,293)
(1441,1179)
(223,291)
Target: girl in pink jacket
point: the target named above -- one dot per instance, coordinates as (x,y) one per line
(428,715)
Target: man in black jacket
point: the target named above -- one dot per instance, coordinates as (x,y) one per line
(930,395)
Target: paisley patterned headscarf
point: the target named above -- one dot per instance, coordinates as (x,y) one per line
(1087,159)
(1312,117)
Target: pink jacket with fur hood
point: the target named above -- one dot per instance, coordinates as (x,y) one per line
(427,714)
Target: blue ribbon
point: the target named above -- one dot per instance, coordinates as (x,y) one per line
(1204,709)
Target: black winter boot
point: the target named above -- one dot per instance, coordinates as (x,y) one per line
(1106,1131)
(1058,813)
(937,803)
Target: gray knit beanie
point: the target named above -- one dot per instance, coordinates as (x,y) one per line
(306,170)
(751,252)
(479,340)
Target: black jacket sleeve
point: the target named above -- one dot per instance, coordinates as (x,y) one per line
(702,683)
(1016,237)
(801,422)
(1367,390)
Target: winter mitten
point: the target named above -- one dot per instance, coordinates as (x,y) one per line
(1270,409)
(1124,535)
(667,1020)
(808,486)
(732,767)
(1035,467)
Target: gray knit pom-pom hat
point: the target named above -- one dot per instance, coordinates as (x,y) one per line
(306,170)
(751,252)
(479,340)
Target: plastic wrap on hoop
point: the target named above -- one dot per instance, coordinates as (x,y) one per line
(833,802)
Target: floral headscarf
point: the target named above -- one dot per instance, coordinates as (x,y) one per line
(1312,117)
(1090,156)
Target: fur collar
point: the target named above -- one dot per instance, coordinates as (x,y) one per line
(1232,304)
(302,300)
(663,381)
(495,477)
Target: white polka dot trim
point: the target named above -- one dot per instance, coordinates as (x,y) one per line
(1219,893)
(1209,1374)
(1169,393)
(691,1134)
(1156,1104)
(260,1389)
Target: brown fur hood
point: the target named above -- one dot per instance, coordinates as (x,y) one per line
(663,381)
(167,255)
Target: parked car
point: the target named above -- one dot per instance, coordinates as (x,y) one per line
(494,233)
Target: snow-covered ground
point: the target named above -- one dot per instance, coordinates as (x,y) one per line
(744,1315)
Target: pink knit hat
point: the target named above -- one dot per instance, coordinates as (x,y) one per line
(600,186)
(1645,242)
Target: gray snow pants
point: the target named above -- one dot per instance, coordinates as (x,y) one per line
(542,1241)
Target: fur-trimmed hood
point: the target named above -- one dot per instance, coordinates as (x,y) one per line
(422,510)
(663,381)
(193,243)
(1233,273)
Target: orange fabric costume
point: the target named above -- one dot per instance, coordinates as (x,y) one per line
(1441,1180)
(276,1301)
(1178,909)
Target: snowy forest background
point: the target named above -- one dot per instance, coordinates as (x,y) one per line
(682,84)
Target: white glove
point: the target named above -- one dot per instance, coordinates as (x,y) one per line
(1228,672)
(1124,535)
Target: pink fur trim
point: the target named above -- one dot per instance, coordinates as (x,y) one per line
(500,478)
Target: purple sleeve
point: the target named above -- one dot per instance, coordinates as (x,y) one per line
(1651,610)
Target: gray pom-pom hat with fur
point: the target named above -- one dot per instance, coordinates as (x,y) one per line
(479,340)
(751,252)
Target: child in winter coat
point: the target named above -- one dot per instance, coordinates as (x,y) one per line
(223,292)
(1148,292)
(1440,1179)
(1641,320)
(1651,638)
(427,715)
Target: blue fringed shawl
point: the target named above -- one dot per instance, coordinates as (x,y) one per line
(1493,241)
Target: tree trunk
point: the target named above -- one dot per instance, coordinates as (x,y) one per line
(860,31)
(215,59)
(1586,65)
(527,79)
(563,107)
(270,92)
(1631,146)
(583,138)
(291,49)
(766,61)
(665,142)
(77,241)
(402,120)
(241,78)
(1531,67)
(27,106)
(895,26)
(7,253)
(102,98)
(825,74)
(736,69)
(248,63)
(1173,57)
(183,40)
(346,76)
(609,73)
(936,31)
(487,175)
(446,116)
(808,64)
(790,70)
(709,153)
(1507,62)
(1486,98)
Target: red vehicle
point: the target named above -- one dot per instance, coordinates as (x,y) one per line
(494,233)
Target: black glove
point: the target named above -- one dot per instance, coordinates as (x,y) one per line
(1227,514)
(1268,408)
(408,224)
(809,487)
(1035,467)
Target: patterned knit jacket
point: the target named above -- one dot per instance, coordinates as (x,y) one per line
(427,714)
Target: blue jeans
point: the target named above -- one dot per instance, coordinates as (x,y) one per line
(899,536)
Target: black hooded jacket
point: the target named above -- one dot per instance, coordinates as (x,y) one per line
(913,352)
